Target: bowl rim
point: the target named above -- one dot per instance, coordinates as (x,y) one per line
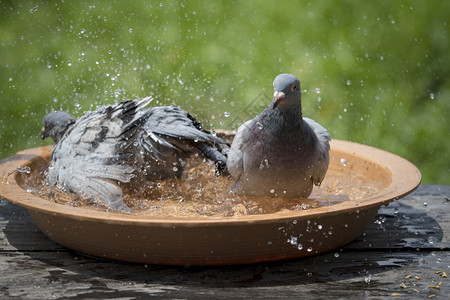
(405,179)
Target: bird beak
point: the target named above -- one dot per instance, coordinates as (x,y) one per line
(278,96)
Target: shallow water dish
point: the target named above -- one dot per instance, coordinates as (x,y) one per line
(214,240)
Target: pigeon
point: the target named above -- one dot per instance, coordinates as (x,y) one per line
(125,144)
(280,153)
(55,124)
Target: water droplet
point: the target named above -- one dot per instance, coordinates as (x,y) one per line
(226,114)
(260,126)
(425,204)
(272,191)
(368,278)
(319,226)
(175,169)
(432,96)
(309,249)
(269,243)
(158,185)
(336,255)
(34,9)
(294,222)
(349,82)
(25,169)
(343,162)
(293,240)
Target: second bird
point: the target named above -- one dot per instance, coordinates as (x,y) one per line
(124,145)
(279,152)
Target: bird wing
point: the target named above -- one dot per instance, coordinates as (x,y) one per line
(99,131)
(163,131)
(323,146)
(85,161)
(176,123)
(235,159)
(91,178)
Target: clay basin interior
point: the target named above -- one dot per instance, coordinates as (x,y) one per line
(215,240)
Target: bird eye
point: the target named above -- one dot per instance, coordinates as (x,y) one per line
(294,88)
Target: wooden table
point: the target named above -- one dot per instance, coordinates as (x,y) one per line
(410,238)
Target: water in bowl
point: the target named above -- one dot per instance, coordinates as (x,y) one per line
(200,193)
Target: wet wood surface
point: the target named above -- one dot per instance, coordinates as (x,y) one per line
(405,253)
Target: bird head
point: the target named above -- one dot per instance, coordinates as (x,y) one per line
(55,124)
(287,91)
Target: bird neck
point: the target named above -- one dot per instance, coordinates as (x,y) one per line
(282,119)
(291,113)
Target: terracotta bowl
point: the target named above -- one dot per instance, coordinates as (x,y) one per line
(214,241)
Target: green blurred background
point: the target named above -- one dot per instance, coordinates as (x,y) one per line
(373,72)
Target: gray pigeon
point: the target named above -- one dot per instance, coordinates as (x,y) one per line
(279,152)
(55,124)
(127,144)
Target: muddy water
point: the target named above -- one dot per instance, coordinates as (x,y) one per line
(199,193)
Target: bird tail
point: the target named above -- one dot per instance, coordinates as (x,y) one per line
(217,155)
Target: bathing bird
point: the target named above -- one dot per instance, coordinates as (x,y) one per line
(279,152)
(124,144)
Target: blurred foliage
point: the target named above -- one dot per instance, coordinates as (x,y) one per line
(375,72)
